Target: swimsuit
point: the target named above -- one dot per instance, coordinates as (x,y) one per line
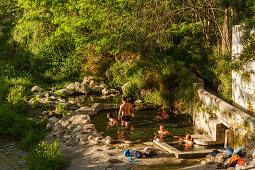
(125,118)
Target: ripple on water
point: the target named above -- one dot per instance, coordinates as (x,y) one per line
(10,156)
(143,127)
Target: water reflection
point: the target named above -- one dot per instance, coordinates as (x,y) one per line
(143,127)
(10,156)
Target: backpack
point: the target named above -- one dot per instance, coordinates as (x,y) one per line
(127,153)
(136,153)
(149,152)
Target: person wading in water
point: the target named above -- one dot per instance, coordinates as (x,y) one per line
(124,112)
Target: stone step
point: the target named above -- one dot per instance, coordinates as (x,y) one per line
(202,139)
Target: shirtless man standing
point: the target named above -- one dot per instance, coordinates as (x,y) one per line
(124,112)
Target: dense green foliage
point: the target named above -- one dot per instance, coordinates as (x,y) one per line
(61,110)
(159,47)
(46,156)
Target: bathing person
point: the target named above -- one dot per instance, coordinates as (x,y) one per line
(188,141)
(162,115)
(112,121)
(124,112)
(162,132)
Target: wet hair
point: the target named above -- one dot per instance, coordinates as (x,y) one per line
(188,136)
(109,115)
(124,98)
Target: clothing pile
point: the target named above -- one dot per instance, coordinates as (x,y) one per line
(132,154)
(227,158)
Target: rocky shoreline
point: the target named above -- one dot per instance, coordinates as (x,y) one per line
(85,147)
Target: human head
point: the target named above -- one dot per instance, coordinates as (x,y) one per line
(124,99)
(188,136)
(162,127)
(109,115)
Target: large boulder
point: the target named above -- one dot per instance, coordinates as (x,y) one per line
(37,89)
(78,87)
(98,107)
(53,120)
(97,90)
(125,87)
(64,92)
(106,92)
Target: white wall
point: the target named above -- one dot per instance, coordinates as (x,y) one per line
(243,91)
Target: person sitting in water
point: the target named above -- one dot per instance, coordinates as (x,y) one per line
(162,132)
(162,115)
(188,140)
(112,121)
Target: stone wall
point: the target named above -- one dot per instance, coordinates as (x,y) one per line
(243,87)
(212,116)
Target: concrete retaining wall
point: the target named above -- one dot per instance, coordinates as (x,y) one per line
(212,115)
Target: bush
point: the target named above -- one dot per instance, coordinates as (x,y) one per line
(20,127)
(32,137)
(154,97)
(61,110)
(46,156)
(132,91)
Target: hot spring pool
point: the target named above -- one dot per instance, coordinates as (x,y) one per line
(143,127)
(182,147)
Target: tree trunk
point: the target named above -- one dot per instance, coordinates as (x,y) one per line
(226,38)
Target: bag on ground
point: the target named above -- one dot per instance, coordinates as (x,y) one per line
(150,152)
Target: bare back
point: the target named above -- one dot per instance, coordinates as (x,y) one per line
(125,109)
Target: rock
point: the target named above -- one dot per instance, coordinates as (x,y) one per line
(70,143)
(69,103)
(107,141)
(129,142)
(97,107)
(109,148)
(87,80)
(92,83)
(203,162)
(113,161)
(253,154)
(105,92)
(64,92)
(90,137)
(44,113)
(231,168)
(104,86)
(108,74)
(125,88)
(53,120)
(67,136)
(37,89)
(49,125)
(96,90)
(138,101)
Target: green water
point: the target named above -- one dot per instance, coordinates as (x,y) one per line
(10,156)
(143,127)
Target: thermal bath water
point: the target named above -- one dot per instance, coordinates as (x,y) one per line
(11,157)
(143,127)
(182,147)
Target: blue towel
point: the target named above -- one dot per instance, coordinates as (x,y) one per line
(238,150)
(132,160)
